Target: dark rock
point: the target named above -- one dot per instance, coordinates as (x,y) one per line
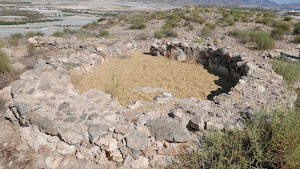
(137,140)
(96,130)
(70,119)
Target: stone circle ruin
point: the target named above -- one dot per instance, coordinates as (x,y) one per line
(93,126)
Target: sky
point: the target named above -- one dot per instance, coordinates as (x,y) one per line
(285,1)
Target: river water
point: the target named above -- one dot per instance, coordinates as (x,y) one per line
(47,27)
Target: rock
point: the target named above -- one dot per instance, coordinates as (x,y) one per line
(221,52)
(79,155)
(180,55)
(128,161)
(96,130)
(65,149)
(40,63)
(136,105)
(122,130)
(32,41)
(164,96)
(249,68)
(137,140)
(162,130)
(182,136)
(107,143)
(116,156)
(140,163)
(53,161)
(196,123)
(72,135)
(43,123)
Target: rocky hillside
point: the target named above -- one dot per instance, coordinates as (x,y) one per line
(265,3)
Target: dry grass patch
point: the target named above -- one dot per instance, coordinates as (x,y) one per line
(120,76)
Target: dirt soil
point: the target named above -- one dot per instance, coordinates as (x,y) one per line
(141,70)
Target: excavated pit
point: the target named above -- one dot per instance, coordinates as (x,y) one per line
(142,77)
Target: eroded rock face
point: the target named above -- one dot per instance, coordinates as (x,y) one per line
(55,118)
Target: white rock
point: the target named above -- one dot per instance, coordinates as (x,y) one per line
(32,41)
(53,161)
(140,163)
(65,149)
(79,155)
(110,144)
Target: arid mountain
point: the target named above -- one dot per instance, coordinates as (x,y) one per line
(291,6)
(264,3)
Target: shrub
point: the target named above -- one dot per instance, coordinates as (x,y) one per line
(208,28)
(32,34)
(289,71)
(190,27)
(240,34)
(92,25)
(159,34)
(170,33)
(288,18)
(297,28)
(266,20)
(101,20)
(269,140)
(103,33)
(143,36)
(245,19)
(198,40)
(4,62)
(277,33)
(58,34)
(138,24)
(297,39)
(14,39)
(262,39)
(268,14)
(282,25)
(67,31)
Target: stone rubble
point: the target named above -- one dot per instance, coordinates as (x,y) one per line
(93,126)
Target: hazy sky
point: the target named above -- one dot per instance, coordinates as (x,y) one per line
(285,1)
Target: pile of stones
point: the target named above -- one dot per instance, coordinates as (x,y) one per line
(94,127)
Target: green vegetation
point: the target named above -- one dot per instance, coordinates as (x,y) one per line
(288,18)
(297,39)
(90,26)
(32,34)
(159,34)
(277,33)
(15,39)
(240,34)
(4,62)
(297,28)
(103,33)
(266,20)
(138,24)
(282,25)
(26,22)
(101,20)
(263,40)
(58,34)
(208,28)
(199,40)
(269,140)
(289,71)
(245,19)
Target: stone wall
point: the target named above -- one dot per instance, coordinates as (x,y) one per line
(53,117)
(217,59)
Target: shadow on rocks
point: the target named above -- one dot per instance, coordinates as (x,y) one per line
(225,82)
